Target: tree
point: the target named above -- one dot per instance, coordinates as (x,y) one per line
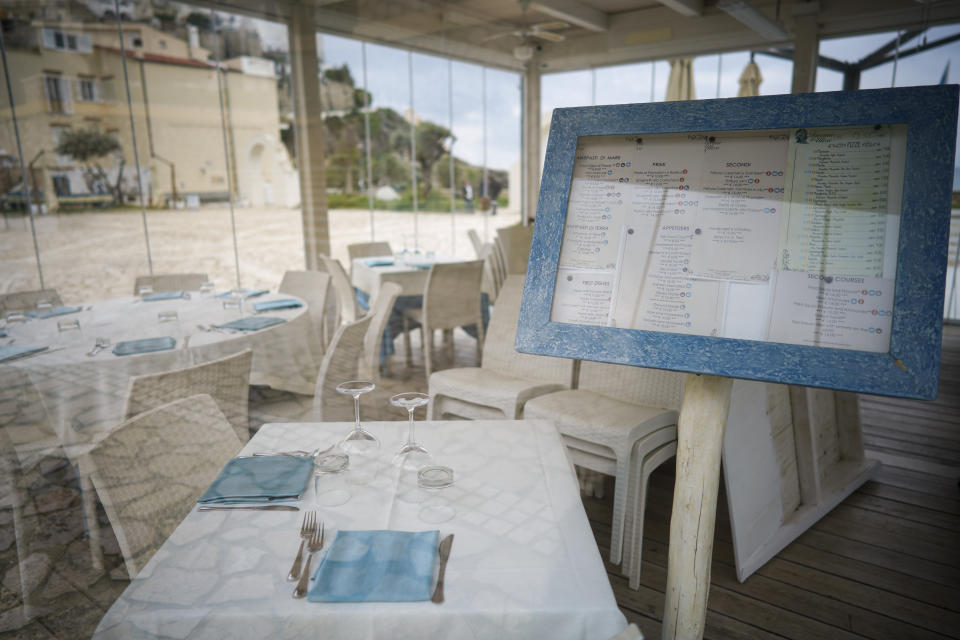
(88,146)
(430,148)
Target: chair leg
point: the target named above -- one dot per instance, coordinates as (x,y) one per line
(480,338)
(427,350)
(406,342)
(619,507)
(651,462)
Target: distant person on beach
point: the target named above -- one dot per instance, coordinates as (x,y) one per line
(468,196)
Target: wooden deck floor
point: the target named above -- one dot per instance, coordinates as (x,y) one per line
(884,564)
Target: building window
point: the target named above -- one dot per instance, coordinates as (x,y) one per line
(61,185)
(58,94)
(88,90)
(67,41)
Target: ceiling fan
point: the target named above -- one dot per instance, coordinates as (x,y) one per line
(542,30)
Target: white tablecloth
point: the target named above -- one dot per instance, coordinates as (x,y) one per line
(83,394)
(524,562)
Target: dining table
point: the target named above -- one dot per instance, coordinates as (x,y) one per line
(523,563)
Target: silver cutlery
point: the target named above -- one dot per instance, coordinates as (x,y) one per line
(445,546)
(99,345)
(252,507)
(313,545)
(296,453)
(307,528)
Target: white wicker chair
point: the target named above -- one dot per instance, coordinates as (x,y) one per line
(515,242)
(451,299)
(313,287)
(340,364)
(226,380)
(27,300)
(170,282)
(373,340)
(346,297)
(612,423)
(506,379)
(152,470)
(475,241)
(368,250)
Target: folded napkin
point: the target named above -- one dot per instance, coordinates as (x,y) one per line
(422,265)
(164,295)
(376,566)
(266,478)
(246,293)
(3,334)
(9,353)
(147,345)
(56,311)
(286,303)
(253,323)
(378,262)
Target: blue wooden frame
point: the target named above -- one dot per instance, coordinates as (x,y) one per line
(909,369)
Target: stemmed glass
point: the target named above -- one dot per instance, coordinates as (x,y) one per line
(411,455)
(358,439)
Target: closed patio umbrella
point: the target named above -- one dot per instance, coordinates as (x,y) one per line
(680,83)
(750,80)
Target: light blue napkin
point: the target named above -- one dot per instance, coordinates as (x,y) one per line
(3,334)
(266,478)
(423,266)
(8,353)
(253,323)
(49,313)
(378,262)
(164,295)
(246,293)
(286,303)
(147,345)
(376,566)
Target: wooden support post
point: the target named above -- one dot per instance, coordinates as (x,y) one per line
(703,417)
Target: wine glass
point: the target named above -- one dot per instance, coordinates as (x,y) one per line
(411,455)
(358,439)
(328,479)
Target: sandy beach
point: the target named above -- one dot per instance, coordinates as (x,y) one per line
(95,255)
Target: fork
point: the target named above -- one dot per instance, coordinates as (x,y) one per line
(307,528)
(313,545)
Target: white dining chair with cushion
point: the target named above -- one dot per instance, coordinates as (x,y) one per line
(154,467)
(374,358)
(346,296)
(451,299)
(170,282)
(27,300)
(506,379)
(313,287)
(226,380)
(341,363)
(611,423)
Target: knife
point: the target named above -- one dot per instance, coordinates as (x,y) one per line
(445,545)
(259,507)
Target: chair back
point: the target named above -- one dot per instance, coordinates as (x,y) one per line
(373,340)
(313,287)
(170,282)
(346,298)
(637,385)
(226,380)
(492,273)
(452,294)
(368,250)
(27,300)
(151,471)
(499,353)
(475,241)
(340,364)
(515,242)
(499,260)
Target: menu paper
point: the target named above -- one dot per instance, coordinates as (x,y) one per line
(773,235)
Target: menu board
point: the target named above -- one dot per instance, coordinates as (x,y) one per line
(785,235)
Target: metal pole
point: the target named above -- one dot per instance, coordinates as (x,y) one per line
(413,152)
(593,87)
(453,217)
(133,136)
(226,151)
(896,58)
(653,80)
(23,168)
(366,138)
(486,211)
(719,71)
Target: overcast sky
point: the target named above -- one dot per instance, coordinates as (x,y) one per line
(388,79)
